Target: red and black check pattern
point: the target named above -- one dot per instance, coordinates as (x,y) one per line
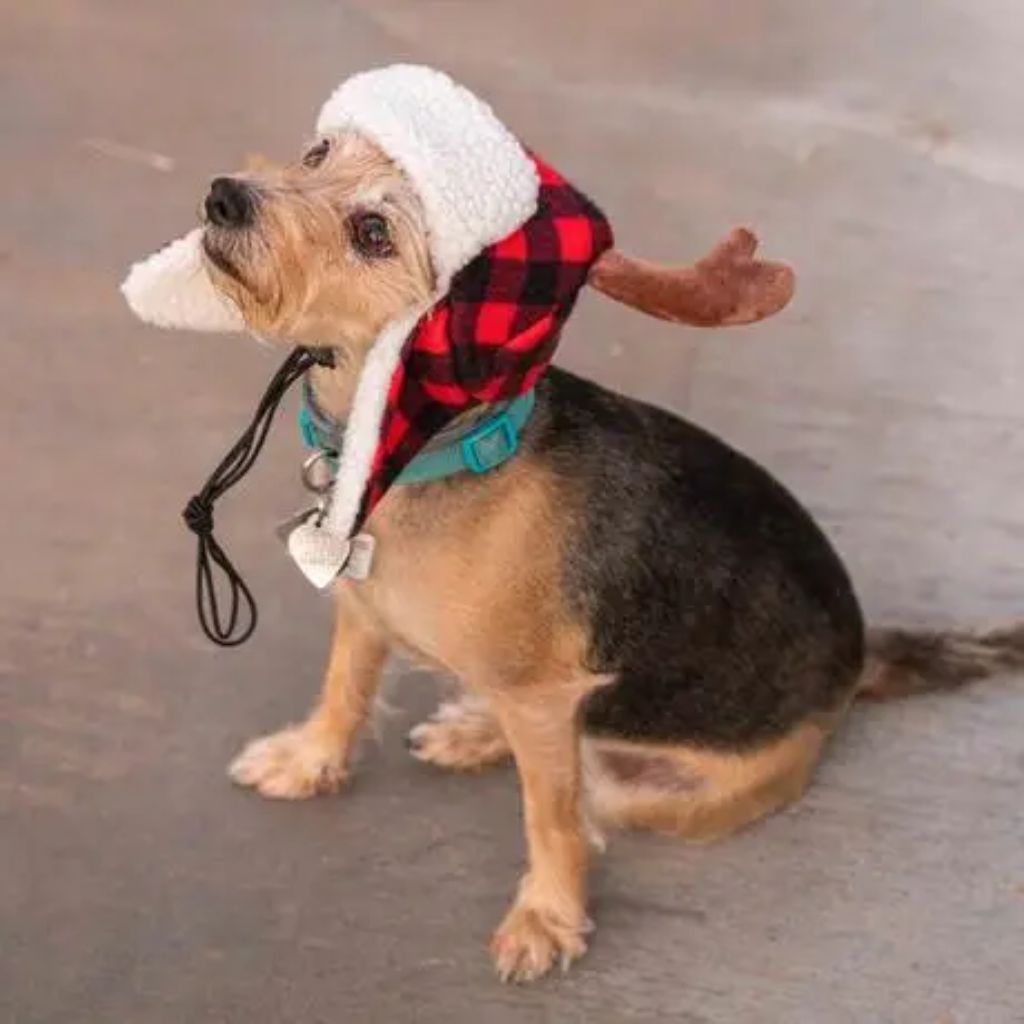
(494,333)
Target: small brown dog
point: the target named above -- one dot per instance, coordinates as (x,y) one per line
(647,622)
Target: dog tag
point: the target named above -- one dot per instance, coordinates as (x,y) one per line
(320,554)
(284,528)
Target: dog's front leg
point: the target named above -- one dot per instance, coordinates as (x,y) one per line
(547,921)
(304,760)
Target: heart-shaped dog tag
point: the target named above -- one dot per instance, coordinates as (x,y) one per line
(319,553)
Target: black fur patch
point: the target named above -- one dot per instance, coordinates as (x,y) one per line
(708,591)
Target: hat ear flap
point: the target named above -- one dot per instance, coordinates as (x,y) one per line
(172,288)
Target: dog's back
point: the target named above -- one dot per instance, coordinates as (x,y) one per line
(708,590)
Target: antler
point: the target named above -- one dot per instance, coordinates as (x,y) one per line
(725,288)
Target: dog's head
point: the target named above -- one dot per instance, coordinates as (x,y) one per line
(411,178)
(325,250)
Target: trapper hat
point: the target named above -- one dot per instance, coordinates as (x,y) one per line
(511,243)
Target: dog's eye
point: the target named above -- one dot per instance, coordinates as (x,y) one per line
(317,154)
(370,234)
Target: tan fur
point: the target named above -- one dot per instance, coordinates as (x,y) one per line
(466,575)
(547,921)
(303,761)
(699,794)
(296,275)
(462,734)
(483,604)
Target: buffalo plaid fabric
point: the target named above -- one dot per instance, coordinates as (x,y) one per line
(494,333)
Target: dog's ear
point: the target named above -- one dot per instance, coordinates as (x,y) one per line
(727,287)
(172,288)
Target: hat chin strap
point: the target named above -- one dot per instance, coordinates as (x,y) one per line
(172,288)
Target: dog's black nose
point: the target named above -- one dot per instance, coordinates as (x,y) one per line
(230,203)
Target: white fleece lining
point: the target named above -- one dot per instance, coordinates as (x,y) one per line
(476,182)
(362,431)
(172,288)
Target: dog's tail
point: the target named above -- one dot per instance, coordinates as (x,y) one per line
(903,662)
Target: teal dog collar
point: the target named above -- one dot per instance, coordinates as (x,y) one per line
(486,445)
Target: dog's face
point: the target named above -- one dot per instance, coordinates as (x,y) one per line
(324,251)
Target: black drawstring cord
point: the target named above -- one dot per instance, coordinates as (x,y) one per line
(198,513)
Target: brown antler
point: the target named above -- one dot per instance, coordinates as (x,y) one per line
(725,288)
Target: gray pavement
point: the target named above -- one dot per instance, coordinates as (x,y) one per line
(878,146)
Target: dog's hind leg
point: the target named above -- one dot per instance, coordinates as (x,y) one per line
(304,760)
(698,793)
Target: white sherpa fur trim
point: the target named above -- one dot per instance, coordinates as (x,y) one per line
(475,180)
(172,288)
(362,429)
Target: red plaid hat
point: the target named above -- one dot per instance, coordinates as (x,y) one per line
(492,336)
(511,244)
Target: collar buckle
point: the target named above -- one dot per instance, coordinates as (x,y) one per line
(491,444)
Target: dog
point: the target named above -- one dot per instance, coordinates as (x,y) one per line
(641,617)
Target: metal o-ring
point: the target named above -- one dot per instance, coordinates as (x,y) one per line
(309,468)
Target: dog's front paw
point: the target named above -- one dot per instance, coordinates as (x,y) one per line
(461,735)
(292,764)
(530,941)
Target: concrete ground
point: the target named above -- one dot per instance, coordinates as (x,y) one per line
(878,146)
